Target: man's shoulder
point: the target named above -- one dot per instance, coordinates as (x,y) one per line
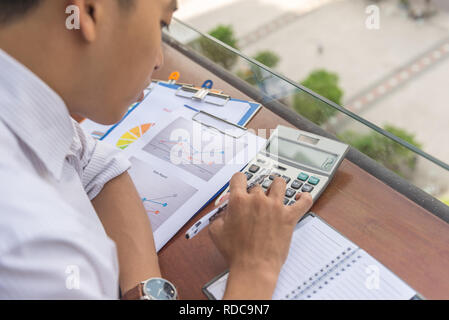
(27,201)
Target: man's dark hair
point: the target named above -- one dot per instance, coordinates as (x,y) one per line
(13,9)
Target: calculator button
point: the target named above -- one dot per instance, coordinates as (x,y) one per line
(285,201)
(296,184)
(313,181)
(287,179)
(248,175)
(254,168)
(292,202)
(290,192)
(303,177)
(267,184)
(307,188)
(281,168)
(274,175)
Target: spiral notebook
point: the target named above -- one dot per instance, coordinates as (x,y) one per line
(323,265)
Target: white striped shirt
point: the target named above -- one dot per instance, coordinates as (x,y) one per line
(52,243)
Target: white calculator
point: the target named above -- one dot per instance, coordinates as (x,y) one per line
(307,162)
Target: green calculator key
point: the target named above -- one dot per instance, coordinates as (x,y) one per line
(314,181)
(303,177)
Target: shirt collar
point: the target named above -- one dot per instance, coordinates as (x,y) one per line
(35,113)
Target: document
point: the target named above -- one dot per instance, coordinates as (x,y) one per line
(178,165)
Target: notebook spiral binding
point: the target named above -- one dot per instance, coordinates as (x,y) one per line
(306,289)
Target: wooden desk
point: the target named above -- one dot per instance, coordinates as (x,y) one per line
(407,239)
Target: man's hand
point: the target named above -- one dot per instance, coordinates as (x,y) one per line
(254,235)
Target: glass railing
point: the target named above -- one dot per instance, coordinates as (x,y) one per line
(390,145)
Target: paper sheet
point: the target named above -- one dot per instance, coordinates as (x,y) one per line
(178,164)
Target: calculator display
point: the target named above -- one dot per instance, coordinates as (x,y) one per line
(302,154)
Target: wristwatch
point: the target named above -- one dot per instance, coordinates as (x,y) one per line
(152,289)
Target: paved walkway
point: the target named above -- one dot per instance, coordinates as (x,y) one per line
(399,77)
(280,22)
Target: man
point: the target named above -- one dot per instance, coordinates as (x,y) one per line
(64,231)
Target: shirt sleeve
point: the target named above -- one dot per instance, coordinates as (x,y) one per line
(100,162)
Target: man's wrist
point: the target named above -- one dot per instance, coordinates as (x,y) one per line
(251,283)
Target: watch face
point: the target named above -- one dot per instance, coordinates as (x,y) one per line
(159,289)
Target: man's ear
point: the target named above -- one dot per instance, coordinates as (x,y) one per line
(89,13)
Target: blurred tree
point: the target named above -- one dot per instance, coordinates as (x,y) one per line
(384,150)
(215,52)
(324,83)
(225,33)
(267,58)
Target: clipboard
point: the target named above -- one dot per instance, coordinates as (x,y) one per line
(204,94)
(218,111)
(228,128)
(215,99)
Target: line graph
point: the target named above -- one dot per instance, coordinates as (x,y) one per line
(188,152)
(161,195)
(203,155)
(156,202)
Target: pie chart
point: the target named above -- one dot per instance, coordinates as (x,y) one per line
(133,135)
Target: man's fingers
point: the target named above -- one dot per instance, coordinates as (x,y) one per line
(224,198)
(238,183)
(216,226)
(277,188)
(256,189)
(302,205)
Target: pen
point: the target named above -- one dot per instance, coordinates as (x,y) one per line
(204,221)
(211,216)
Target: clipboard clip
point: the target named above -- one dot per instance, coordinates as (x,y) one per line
(223,126)
(204,94)
(204,91)
(174,76)
(172,79)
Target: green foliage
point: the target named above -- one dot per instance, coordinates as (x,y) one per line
(384,150)
(247,75)
(404,3)
(324,83)
(267,58)
(216,52)
(225,34)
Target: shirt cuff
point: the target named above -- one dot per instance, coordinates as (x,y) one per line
(107,162)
